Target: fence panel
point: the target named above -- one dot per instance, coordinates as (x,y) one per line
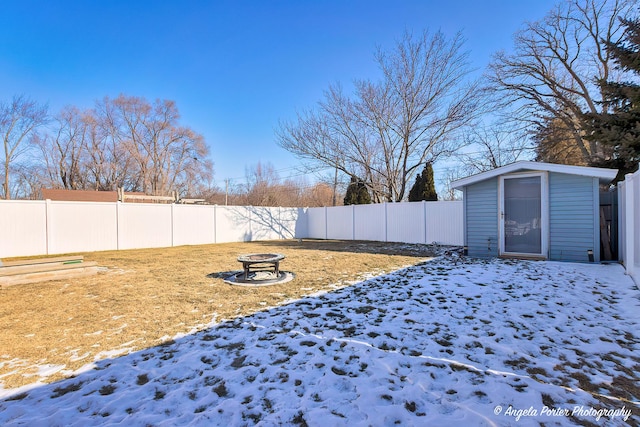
(193,225)
(369,222)
(405,222)
(636,226)
(409,222)
(39,227)
(233,224)
(629,224)
(622,225)
(298,223)
(23,228)
(316,223)
(293,223)
(265,223)
(444,223)
(81,226)
(340,223)
(144,225)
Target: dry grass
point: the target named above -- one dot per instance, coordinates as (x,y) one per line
(144,297)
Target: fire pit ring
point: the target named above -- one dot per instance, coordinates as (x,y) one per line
(260,270)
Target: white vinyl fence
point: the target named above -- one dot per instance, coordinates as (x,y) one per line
(39,227)
(30,227)
(53,227)
(629,224)
(409,222)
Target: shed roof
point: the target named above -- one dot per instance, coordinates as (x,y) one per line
(604,175)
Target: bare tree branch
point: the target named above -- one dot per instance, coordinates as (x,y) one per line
(18,121)
(556,64)
(387,130)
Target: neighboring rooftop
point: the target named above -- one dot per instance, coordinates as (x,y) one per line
(59,194)
(79,195)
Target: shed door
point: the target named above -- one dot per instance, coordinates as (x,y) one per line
(522,215)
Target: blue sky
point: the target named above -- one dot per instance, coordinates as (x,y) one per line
(235,68)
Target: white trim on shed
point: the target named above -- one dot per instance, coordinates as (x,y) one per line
(604,175)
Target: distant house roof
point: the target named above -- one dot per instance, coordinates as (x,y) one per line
(79,195)
(604,175)
(93,196)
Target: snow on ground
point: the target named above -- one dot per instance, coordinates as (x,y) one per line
(447,342)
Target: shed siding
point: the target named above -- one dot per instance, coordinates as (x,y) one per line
(482,218)
(571,220)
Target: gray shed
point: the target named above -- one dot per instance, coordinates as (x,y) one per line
(534,210)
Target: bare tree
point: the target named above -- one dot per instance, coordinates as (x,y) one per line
(494,145)
(141,146)
(64,149)
(448,175)
(18,121)
(262,186)
(109,163)
(26,181)
(320,194)
(124,142)
(389,129)
(556,63)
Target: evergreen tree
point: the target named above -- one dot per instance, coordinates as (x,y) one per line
(620,128)
(424,187)
(351,197)
(416,192)
(430,193)
(357,193)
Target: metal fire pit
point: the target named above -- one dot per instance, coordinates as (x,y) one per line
(259,270)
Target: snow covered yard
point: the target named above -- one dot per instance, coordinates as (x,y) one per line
(447,342)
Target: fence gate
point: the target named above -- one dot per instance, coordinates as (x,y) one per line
(609,225)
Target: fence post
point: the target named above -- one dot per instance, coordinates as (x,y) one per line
(215,223)
(326,224)
(353,222)
(172,225)
(250,209)
(48,231)
(621,221)
(424,219)
(386,223)
(629,255)
(118,225)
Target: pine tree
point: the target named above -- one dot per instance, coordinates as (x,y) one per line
(620,128)
(430,193)
(351,197)
(357,193)
(416,192)
(424,187)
